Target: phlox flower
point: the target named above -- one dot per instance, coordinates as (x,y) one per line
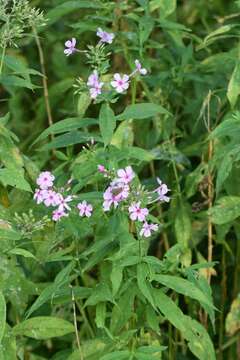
(94,84)
(162,190)
(51,198)
(63,202)
(45,180)
(120,83)
(147,229)
(39,195)
(58,214)
(93,79)
(125,175)
(101,169)
(137,213)
(96,90)
(114,194)
(105,37)
(139,68)
(85,209)
(70,47)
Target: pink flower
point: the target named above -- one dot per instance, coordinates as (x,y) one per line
(51,198)
(95,85)
(139,68)
(85,209)
(162,190)
(70,47)
(120,83)
(101,169)
(137,213)
(114,194)
(93,79)
(45,180)
(105,37)
(147,229)
(58,214)
(96,90)
(63,202)
(125,175)
(39,195)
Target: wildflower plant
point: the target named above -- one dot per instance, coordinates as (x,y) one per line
(100,255)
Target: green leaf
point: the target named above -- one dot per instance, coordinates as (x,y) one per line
(8,348)
(69,6)
(143,284)
(65,125)
(15,179)
(233,90)
(116,278)
(167,7)
(71,138)
(22,252)
(107,123)
(198,339)
(117,355)
(185,287)
(182,225)
(100,314)
(2,315)
(43,327)
(227,209)
(233,317)
(9,234)
(142,111)
(100,293)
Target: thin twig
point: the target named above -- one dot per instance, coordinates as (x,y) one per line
(75,324)
(44,78)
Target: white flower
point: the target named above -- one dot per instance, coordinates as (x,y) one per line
(120,83)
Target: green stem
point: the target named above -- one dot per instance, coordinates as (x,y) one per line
(2,58)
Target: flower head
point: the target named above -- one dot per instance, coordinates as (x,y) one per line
(96,90)
(58,214)
(70,47)
(45,180)
(139,68)
(105,37)
(39,195)
(162,190)
(63,202)
(93,79)
(120,83)
(137,213)
(147,229)
(85,209)
(51,198)
(101,169)
(114,194)
(125,175)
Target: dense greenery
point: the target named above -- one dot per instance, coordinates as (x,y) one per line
(95,288)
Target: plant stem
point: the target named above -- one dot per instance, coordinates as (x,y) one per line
(44,79)
(75,324)
(2,58)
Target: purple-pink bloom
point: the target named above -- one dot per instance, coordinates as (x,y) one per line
(147,229)
(114,194)
(51,198)
(125,175)
(63,202)
(85,209)
(101,169)
(70,47)
(93,79)
(96,90)
(58,214)
(39,195)
(162,190)
(120,83)
(105,37)
(137,213)
(45,180)
(139,68)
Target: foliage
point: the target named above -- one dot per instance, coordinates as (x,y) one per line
(94,287)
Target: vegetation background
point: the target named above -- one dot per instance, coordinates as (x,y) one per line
(191,49)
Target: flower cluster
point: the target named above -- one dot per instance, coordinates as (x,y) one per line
(122,191)
(50,197)
(120,83)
